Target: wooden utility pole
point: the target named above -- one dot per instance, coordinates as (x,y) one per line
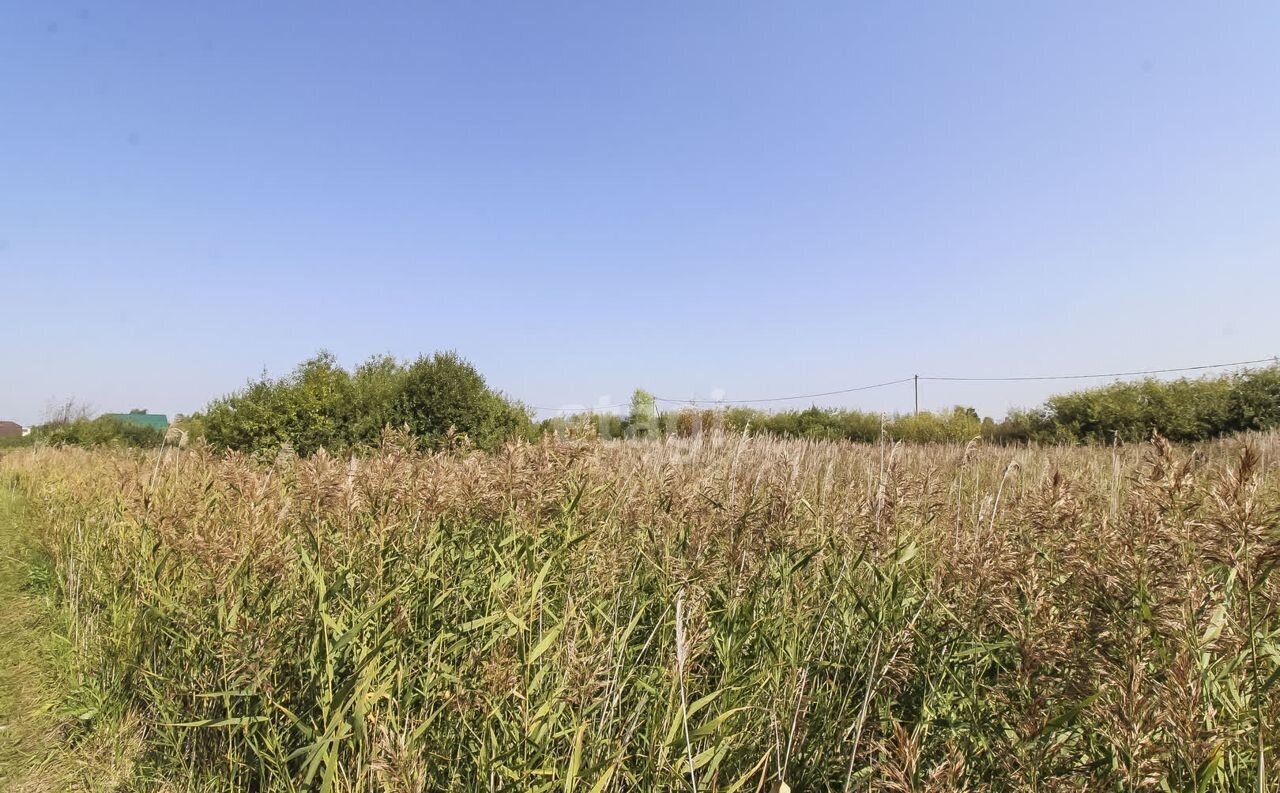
(916,379)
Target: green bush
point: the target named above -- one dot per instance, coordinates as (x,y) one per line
(377,385)
(102,431)
(819,423)
(1181,410)
(444,393)
(1254,402)
(958,425)
(322,406)
(1018,427)
(16,442)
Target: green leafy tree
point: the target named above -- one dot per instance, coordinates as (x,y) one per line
(1254,402)
(378,385)
(309,410)
(445,393)
(102,431)
(1181,410)
(255,418)
(321,405)
(642,421)
(193,425)
(958,425)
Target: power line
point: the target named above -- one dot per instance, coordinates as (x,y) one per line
(1104,374)
(736,401)
(854,389)
(781,399)
(586,409)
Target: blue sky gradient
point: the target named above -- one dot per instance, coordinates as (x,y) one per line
(749,199)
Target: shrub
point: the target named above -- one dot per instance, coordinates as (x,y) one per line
(1018,427)
(444,393)
(643,422)
(1254,402)
(958,425)
(17,441)
(1181,410)
(102,431)
(377,385)
(322,406)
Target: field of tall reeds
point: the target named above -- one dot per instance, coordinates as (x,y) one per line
(718,613)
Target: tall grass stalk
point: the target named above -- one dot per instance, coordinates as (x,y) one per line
(843,617)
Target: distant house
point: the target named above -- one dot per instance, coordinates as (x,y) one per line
(11,429)
(141,418)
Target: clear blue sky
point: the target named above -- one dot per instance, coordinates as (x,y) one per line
(760,198)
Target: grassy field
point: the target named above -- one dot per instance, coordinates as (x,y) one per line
(710,614)
(48,743)
(24,734)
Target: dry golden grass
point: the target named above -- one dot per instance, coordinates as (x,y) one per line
(718,613)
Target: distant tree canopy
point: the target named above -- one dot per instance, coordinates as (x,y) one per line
(102,431)
(321,405)
(1181,410)
(70,423)
(957,424)
(643,419)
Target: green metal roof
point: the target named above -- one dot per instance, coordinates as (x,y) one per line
(156,421)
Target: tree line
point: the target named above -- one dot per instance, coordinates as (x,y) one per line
(442,399)
(1181,410)
(439,399)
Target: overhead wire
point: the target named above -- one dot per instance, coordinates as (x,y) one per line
(783,398)
(934,378)
(1135,373)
